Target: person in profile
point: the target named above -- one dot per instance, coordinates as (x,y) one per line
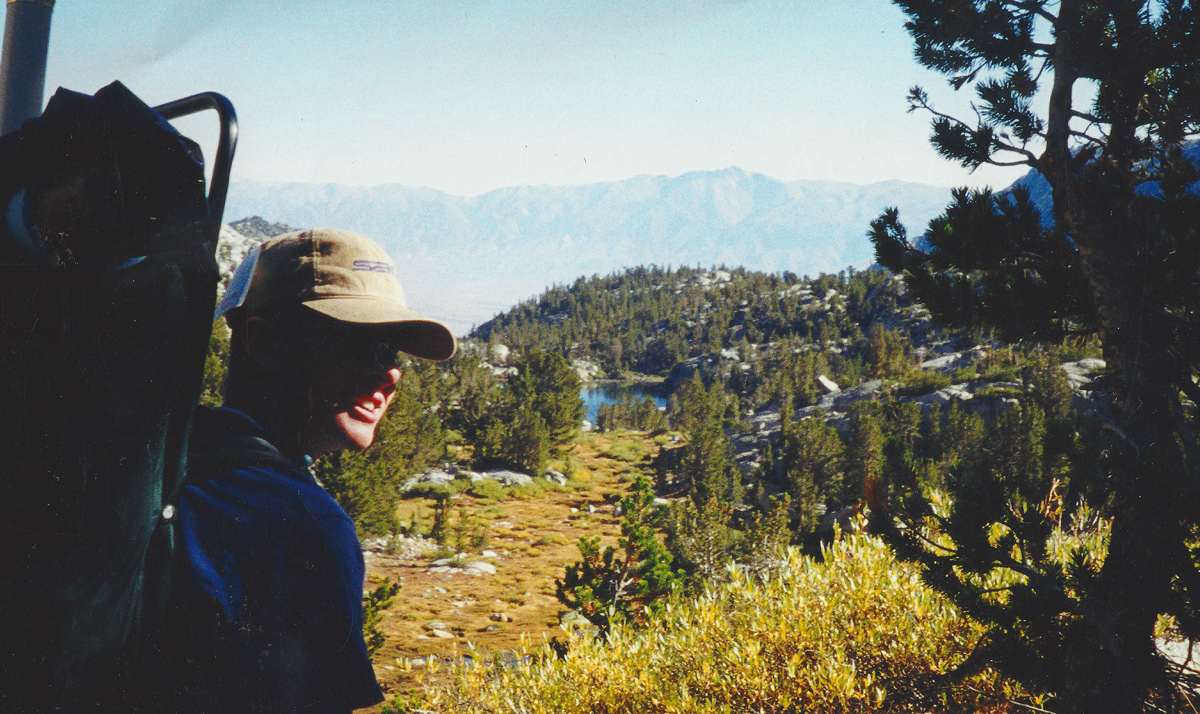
(265,613)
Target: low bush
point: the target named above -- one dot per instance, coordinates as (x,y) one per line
(627,451)
(857,632)
(964,374)
(436,491)
(487,490)
(375,601)
(918,382)
(551,538)
(533,490)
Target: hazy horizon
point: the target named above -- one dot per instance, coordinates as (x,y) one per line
(467,96)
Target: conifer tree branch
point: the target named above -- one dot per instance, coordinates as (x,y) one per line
(1032,7)
(1075,113)
(1099,142)
(934,544)
(1031,161)
(918,99)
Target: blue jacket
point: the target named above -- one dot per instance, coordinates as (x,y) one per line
(267,601)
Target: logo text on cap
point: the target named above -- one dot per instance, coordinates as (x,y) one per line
(373,266)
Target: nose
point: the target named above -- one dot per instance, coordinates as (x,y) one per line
(393,374)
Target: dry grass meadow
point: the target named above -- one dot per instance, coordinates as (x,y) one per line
(532,534)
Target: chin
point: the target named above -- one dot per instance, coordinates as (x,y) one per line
(354,434)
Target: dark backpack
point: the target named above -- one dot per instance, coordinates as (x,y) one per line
(103,333)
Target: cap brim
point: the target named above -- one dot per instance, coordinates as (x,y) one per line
(419,335)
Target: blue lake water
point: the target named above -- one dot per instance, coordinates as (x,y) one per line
(594,397)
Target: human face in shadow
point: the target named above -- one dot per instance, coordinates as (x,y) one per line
(336,380)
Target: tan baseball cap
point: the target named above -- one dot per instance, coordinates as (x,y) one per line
(339,274)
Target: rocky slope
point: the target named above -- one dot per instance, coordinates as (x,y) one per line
(236,240)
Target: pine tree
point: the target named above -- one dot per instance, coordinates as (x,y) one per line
(864,453)
(699,536)
(811,456)
(213,389)
(547,384)
(622,583)
(705,465)
(768,534)
(1117,256)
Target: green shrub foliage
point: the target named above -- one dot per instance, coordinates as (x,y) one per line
(857,632)
(375,602)
(625,583)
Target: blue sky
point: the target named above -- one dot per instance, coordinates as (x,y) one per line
(470,95)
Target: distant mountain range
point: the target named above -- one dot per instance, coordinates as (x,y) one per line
(464,259)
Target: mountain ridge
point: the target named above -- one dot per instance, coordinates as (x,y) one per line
(465,259)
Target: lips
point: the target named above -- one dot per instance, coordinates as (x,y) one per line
(370,407)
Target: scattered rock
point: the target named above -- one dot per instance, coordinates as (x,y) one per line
(555,477)
(432,478)
(508,478)
(955,392)
(448,474)
(827,384)
(480,567)
(586,369)
(501,617)
(955,360)
(1080,374)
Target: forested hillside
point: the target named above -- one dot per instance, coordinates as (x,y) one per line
(782,330)
(763,353)
(796,403)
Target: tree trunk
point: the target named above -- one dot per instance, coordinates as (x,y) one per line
(1112,665)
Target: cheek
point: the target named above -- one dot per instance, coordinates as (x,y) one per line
(353,433)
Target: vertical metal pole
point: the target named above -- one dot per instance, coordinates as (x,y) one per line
(23,63)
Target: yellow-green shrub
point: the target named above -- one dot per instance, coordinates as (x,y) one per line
(628,451)
(855,633)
